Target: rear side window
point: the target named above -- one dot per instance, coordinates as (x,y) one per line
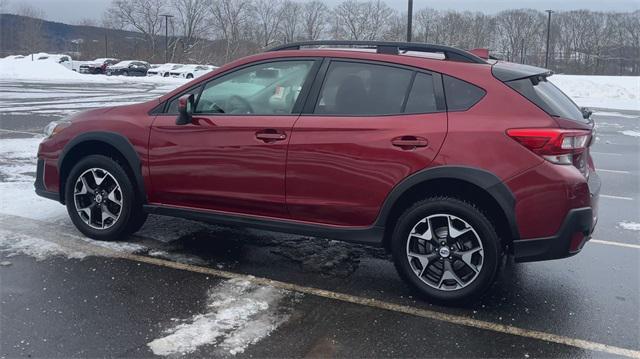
(422,98)
(548,97)
(352,88)
(461,95)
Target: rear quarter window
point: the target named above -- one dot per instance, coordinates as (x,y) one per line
(461,95)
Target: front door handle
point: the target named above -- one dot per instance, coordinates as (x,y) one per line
(270,135)
(409,142)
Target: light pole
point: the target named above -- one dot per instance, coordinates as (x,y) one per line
(166,36)
(409,20)
(546,58)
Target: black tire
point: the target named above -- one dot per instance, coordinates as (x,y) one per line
(125,73)
(189,76)
(166,74)
(486,234)
(131,216)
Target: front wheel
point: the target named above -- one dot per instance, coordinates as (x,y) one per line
(446,250)
(101,199)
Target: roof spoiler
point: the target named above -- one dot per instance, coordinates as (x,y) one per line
(510,71)
(481,53)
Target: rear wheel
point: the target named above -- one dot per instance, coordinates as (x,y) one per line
(101,199)
(189,76)
(125,73)
(446,250)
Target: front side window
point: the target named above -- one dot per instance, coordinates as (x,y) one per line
(263,89)
(352,88)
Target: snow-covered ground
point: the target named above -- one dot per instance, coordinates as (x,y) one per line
(611,92)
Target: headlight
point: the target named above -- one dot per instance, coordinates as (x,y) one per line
(55,127)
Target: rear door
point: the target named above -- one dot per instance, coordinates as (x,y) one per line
(365,127)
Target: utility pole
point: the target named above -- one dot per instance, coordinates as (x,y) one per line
(546,58)
(166,36)
(409,20)
(106,43)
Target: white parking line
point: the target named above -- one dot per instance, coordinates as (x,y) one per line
(616,197)
(612,171)
(606,153)
(21,132)
(613,243)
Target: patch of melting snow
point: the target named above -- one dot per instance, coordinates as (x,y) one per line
(631,133)
(632,226)
(239,313)
(15,243)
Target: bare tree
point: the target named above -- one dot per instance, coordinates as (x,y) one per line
(268,16)
(140,15)
(231,22)
(362,21)
(191,19)
(314,19)
(4,6)
(31,35)
(520,32)
(291,26)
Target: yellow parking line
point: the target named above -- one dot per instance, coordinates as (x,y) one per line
(31,227)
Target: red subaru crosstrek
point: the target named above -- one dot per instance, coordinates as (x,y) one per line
(447,159)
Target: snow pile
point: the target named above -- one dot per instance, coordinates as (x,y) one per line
(40,249)
(239,313)
(613,92)
(25,69)
(49,71)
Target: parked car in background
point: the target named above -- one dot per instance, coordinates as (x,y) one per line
(129,68)
(163,70)
(97,66)
(191,71)
(14,57)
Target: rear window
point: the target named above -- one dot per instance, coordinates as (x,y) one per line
(363,89)
(548,97)
(460,95)
(422,98)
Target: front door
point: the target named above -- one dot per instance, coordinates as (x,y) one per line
(232,156)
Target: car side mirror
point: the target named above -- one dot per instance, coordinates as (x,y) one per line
(185,109)
(586,113)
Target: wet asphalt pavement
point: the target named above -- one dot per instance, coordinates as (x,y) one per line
(67,305)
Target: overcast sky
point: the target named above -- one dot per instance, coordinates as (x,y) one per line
(71,11)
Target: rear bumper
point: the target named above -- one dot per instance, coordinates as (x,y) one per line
(573,234)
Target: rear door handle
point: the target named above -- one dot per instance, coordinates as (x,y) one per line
(409,142)
(270,135)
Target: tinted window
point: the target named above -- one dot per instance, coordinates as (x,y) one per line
(363,89)
(263,89)
(460,95)
(422,98)
(548,97)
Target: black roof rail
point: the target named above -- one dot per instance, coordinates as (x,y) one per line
(390,47)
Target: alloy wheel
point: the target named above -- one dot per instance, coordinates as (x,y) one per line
(445,252)
(98,198)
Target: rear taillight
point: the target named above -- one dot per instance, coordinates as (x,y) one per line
(559,146)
